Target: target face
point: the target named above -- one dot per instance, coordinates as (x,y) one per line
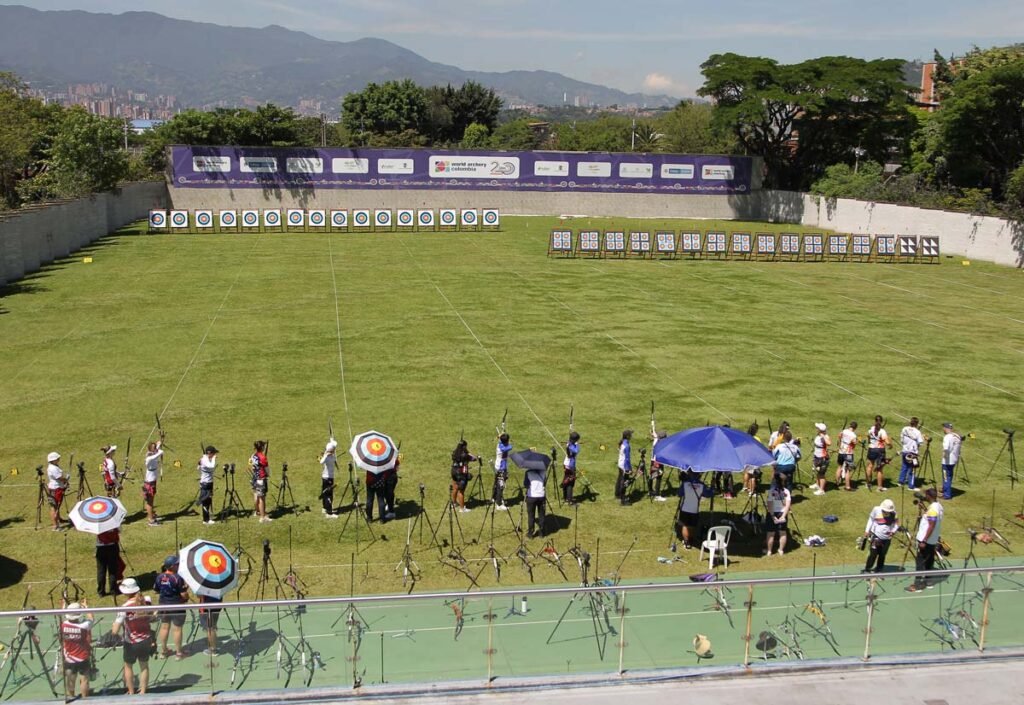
(157,219)
(405,218)
(361,218)
(374,452)
(295,217)
(316,218)
(491,217)
(227,219)
(204,219)
(271,218)
(469,217)
(426,219)
(179,219)
(208,568)
(339,219)
(250,219)
(95,515)
(447,217)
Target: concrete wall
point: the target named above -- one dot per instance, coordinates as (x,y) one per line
(34,236)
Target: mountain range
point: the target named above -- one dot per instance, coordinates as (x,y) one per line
(205,64)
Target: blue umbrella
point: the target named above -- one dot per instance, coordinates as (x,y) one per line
(712,448)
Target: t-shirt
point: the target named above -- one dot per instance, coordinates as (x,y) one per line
(501,452)
(207,468)
(951,449)
(535,485)
(328,461)
(777,499)
(571,451)
(877,438)
(109,468)
(911,439)
(170,586)
(821,444)
(153,464)
(54,477)
(881,527)
(847,441)
(786,454)
(260,469)
(76,640)
(137,627)
(932,517)
(624,460)
(108,538)
(691,493)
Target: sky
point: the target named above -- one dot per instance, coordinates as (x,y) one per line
(654,46)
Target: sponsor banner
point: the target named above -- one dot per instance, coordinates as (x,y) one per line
(296,217)
(317,218)
(339,219)
(258,165)
(469,217)
(338,168)
(250,219)
(382,218)
(406,218)
(158,219)
(271,218)
(228,219)
(361,218)
(350,165)
(304,165)
(204,219)
(179,219)
(212,164)
(491,217)
(447,216)
(425,218)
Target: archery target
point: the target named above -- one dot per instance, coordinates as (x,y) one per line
(272,218)
(382,218)
(227,219)
(469,217)
(406,218)
(491,217)
(251,219)
(317,218)
(204,219)
(296,217)
(158,219)
(179,219)
(339,219)
(426,218)
(361,218)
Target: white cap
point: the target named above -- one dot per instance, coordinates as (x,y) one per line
(109,450)
(53,457)
(331,445)
(820,426)
(74,616)
(129,586)
(888,505)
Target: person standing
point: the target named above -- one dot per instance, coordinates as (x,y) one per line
(911,439)
(375,493)
(951,443)
(76,649)
(390,485)
(108,554)
(786,454)
(501,452)
(259,472)
(461,458)
(328,465)
(173,591)
(928,532)
(844,461)
(778,503)
(776,436)
(208,618)
(625,466)
(881,527)
(535,482)
(691,492)
(657,470)
(56,486)
(572,449)
(878,441)
(138,635)
(820,459)
(108,468)
(207,469)
(154,455)
(749,476)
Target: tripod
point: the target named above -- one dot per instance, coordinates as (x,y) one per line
(284,490)
(27,632)
(232,502)
(925,468)
(752,511)
(84,490)
(239,552)
(43,498)
(861,469)
(422,516)
(355,509)
(453,522)
(1012,456)
(66,584)
(410,569)
(597,605)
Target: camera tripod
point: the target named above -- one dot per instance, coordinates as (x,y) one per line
(355,509)
(1012,457)
(422,517)
(284,490)
(453,523)
(84,490)
(410,569)
(232,502)
(757,510)
(70,591)
(26,632)
(489,511)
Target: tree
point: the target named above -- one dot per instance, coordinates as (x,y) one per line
(688,129)
(267,126)
(473,103)
(476,136)
(608,133)
(22,137)
(803,117)
(646,138)
(390,107)
(516,135)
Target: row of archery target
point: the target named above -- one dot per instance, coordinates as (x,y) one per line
(381,219)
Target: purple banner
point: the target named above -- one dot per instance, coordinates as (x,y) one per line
(291,168)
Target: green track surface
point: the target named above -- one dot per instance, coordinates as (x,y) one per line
(425,336)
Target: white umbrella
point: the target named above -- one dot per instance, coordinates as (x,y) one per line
(374,452)
(94,515)
(208,567)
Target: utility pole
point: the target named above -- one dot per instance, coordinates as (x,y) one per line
(323,129)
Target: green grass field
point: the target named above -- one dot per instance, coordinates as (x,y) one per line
(426,336)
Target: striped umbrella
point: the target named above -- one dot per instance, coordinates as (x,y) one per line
(374,452)
(208,567)
(94,515)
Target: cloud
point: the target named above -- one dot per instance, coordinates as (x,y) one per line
(660,83)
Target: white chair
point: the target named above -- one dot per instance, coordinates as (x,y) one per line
(717,541)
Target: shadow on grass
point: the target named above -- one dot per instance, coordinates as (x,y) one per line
(11,571)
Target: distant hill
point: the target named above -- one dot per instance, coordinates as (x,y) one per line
(205,64)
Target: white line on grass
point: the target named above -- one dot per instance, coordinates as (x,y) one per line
(337,319)
(903,352)
(51,346)
(998,389)
(777,357)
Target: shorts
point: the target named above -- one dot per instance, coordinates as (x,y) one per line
(148,492)
(56,497)
(772,526)
(208,618)
(81,668)
(175,618)
(260,489)
(876,454)
(689,519)
(821,465)
(845,459)
(137,652)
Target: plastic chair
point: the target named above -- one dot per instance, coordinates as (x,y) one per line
(717,541)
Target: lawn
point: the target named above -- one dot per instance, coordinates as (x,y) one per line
(431,336)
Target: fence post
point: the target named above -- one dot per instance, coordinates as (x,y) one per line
(870,599)
(750,619)
(622,630)
(987,592)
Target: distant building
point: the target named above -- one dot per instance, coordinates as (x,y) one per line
(141,126)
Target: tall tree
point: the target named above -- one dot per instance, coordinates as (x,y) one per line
(20,130)
(688,129)
(390,107)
